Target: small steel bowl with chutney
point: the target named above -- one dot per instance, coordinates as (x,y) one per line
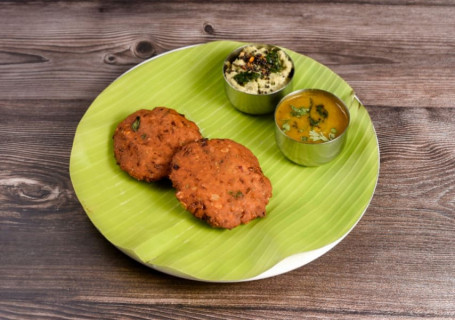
(311,126)
(256,77)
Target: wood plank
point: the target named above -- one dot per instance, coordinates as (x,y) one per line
(393,55)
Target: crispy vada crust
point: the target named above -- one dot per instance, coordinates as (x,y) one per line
(146,140)
(220,181)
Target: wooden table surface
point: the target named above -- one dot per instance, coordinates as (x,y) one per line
(397,263)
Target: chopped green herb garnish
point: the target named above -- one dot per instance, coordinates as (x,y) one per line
(304,139)
(313,122)
(135,125)
(315,136)
(274,61)
(332,133)
(245,77)
(286,127)
(237,195)
(298,112)
(322,111)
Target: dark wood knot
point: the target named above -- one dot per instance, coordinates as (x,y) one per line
(110,58)
(27,191)
(208,28)
(143,49)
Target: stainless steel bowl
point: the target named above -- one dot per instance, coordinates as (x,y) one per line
(311,154)
(255,103)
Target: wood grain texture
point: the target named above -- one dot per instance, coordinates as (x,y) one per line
(399,261)
(384,51)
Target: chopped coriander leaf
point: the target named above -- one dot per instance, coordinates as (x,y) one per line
(313,122)
(322,111)
(274,61)
(286,127)
(311,104)
(304,139)
(315,136)
(245,77)
(236,195)
(298,112)
(135,125)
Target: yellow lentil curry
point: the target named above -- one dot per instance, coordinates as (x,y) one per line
(311,117)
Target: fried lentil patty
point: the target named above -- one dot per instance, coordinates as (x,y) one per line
(220,181)
(146,140)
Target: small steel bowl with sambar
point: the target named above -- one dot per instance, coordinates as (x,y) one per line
(311,126)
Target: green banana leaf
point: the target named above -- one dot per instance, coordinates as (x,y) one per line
(310,208)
